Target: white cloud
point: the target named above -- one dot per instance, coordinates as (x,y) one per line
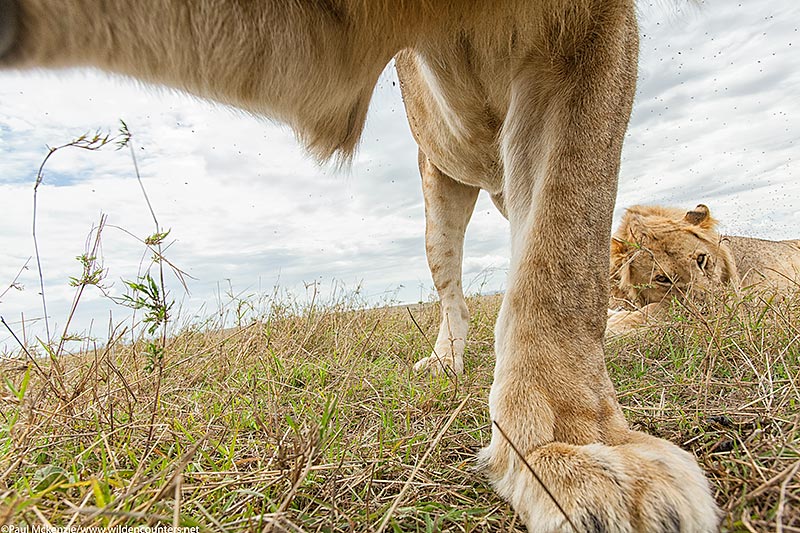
(716,119)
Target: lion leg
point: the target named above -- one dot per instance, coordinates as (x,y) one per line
(622,321)
(448,208)
(552,396)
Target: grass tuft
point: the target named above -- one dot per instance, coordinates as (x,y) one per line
(721,379)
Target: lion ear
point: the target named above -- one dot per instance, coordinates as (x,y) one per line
(699,216)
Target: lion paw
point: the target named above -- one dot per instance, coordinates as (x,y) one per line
(436,365)
(647,484)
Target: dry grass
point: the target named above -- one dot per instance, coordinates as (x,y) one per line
(722,379)
(311,419)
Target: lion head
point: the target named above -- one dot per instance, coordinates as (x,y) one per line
(659,251)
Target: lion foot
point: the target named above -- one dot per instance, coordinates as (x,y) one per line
(436,365)
(647,484)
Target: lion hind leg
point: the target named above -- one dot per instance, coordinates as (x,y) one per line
(448,208)
(647,484)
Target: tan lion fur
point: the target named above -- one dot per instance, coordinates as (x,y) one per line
(526,99)
(661,251)
(771,265)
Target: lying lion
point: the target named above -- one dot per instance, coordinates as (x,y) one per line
(526,99)
(661,252)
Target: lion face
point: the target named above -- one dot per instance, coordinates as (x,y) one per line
(659,252)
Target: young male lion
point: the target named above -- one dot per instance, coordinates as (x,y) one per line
(527,99)
(661,252)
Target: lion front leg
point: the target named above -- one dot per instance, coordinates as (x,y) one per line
(623,321)
(448,208)
(552,395)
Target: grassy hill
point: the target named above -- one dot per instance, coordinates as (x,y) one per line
(311,419)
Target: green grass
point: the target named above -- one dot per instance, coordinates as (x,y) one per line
(311,419)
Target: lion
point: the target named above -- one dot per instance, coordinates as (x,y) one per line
(662,252)
(526,99)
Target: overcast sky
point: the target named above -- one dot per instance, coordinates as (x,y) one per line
(716,121)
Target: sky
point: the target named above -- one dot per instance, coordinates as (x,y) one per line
(716,120)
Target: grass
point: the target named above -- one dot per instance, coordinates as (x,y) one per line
(311,419)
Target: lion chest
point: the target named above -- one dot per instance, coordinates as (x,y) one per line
(451,119)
